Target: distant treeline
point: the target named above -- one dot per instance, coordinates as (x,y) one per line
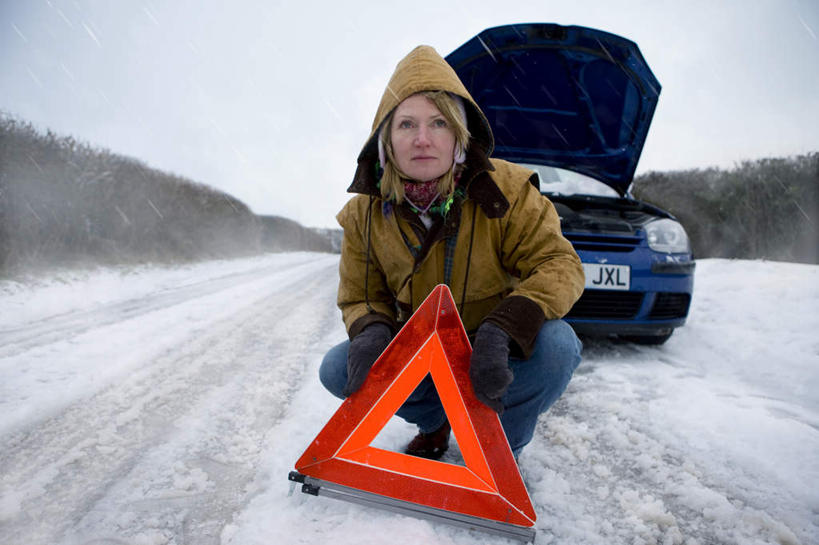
(763,209)
(63,202)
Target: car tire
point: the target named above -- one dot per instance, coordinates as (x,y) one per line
(648,340)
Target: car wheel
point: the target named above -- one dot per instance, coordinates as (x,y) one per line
(652,340)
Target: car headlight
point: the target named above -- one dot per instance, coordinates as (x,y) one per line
(667,235)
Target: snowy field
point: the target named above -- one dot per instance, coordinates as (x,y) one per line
(157,406)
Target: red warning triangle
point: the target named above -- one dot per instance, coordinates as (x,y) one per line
(432,342)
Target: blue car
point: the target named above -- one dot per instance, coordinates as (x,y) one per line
(574,104)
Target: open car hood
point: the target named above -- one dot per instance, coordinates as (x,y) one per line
(565,96)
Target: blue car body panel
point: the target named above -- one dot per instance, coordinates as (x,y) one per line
(582,100)
(657,300)
(661,284)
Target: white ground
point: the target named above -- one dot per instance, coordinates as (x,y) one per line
(166,406)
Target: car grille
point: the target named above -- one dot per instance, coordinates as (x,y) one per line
(670,305)
(602,243)
(607,304)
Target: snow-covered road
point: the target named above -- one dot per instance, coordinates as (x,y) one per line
(167,405)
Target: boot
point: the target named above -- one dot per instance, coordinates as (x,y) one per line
(431,445)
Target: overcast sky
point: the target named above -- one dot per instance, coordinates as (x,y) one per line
(271,101)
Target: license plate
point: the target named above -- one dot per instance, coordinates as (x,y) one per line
(607,277)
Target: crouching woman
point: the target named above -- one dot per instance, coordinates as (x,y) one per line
(432,207)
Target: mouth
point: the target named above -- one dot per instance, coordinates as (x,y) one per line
(423,158)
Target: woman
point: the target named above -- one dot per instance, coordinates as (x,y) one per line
(432,208)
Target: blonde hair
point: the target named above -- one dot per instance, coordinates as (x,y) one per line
(392,180)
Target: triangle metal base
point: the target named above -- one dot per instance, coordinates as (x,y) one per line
(318,487)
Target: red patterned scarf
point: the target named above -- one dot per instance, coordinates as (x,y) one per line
(421,194)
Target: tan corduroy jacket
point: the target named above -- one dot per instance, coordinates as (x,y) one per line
(510,263)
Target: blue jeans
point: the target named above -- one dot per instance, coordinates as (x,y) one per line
(538,382)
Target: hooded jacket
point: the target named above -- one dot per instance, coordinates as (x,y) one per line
(499,247)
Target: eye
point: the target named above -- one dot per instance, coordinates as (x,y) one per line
(405,124)
(440,123)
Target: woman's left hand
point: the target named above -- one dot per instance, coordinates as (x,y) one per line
(489,365)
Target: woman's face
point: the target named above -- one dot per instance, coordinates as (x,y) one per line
(422,141)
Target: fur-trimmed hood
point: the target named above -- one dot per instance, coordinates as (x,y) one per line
(423,69)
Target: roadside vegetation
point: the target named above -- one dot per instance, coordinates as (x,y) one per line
(65,203)
(762,209)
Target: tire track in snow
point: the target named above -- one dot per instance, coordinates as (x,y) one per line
(18,339)
(166,454)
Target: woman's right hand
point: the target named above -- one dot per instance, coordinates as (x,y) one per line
(364,350)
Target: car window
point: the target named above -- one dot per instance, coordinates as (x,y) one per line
(565,182)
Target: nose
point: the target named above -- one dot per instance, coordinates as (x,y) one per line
(422,136)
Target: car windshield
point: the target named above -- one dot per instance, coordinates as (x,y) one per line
(565,182)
